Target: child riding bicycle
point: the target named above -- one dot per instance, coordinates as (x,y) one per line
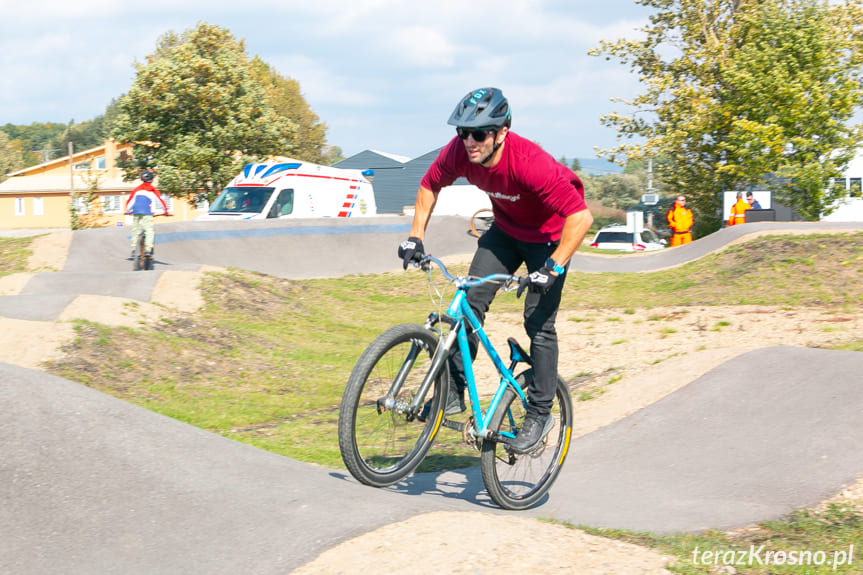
(141,202)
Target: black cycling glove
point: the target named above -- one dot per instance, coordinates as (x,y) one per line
(539,281)
(410,249)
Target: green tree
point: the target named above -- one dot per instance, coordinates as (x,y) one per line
(619,191)
(283,94)
(196,114)
(11,158)
(40,142)
(575,165)
(88,134)
(36,141)
(740,89)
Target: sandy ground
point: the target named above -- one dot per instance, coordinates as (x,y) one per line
(625,360)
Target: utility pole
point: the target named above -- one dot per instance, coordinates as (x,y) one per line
(71,148)
(650,190)
(46,153)
(71,167)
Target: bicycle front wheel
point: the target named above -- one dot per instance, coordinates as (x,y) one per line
(139,257)
(518,481)
(380,438)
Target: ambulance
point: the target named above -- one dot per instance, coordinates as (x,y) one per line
(294,190)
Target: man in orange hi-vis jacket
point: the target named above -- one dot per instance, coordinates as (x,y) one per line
(738,211)
(680,220)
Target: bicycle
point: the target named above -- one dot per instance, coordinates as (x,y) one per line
(141,258)
(381,437)
(481,221)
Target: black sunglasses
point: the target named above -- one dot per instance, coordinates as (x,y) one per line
(478,135)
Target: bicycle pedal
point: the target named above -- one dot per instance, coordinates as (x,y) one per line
(454,425)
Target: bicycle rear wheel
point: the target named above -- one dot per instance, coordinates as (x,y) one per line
(381,444)
(481,221)
(518,481)
(139,259)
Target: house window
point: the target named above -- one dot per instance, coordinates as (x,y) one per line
(38,207)
(201,204)
(81,166)
(854,190)
(112,204)
(100,163)
(81,206)
(19,207)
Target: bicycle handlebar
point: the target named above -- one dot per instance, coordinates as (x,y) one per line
(510,282)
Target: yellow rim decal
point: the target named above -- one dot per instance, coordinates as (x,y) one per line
(565,447)
(436,425)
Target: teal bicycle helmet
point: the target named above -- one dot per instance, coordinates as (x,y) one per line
(483,108)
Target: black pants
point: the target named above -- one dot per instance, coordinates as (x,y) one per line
(497,252)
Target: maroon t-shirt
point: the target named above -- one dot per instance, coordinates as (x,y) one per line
(531,193)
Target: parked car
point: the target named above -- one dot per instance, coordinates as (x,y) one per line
(620,237)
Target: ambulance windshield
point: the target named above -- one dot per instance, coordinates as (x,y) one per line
(244,199)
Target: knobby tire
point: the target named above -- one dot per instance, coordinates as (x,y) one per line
(481,221)
(139,259)
(519,481)
(380,446)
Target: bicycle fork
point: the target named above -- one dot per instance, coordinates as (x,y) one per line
(411,409)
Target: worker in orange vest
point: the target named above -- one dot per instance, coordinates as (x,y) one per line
(738,211)
(680,220)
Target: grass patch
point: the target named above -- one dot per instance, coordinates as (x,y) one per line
(770,270)
(805,543)
(14,254)
(266,359)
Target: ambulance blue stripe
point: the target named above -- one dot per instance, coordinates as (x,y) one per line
(207,235)
(280,168)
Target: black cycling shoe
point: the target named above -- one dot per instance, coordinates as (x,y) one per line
(454,405)
(533,429)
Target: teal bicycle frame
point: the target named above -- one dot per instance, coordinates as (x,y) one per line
(459,315)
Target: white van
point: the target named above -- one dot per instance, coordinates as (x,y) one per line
(294,190)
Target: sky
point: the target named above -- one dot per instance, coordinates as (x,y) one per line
(382,74)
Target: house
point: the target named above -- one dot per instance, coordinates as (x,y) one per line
(41,196)
(397,180)
(851,208)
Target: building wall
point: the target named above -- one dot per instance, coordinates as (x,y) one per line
(391,187)
(37,210)
(22,210)
(40,196)
(850,209)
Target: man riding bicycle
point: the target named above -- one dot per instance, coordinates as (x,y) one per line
(540,219)
(141,202)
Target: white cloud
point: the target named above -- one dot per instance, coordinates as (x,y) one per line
(424,47)
(381,73)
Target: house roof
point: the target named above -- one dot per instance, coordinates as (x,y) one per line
(396,157)
(64,160)
(61,183)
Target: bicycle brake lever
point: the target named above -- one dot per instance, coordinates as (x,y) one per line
(423,262)
(511,284)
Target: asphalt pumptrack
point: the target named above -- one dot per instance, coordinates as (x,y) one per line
(91,484)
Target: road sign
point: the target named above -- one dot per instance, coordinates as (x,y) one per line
(649,199)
